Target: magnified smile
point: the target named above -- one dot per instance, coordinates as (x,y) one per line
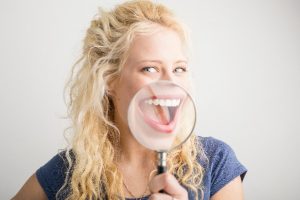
(160,112)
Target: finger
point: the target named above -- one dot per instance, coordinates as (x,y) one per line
(160,196)
(169,184)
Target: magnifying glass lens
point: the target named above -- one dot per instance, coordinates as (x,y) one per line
(161,116)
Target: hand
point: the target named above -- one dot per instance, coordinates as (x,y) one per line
(169,184)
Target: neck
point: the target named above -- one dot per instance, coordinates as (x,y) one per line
(136,163)
(133,152)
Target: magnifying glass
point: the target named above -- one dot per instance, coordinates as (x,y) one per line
(161,116)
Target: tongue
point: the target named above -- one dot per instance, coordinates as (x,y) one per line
(160,114)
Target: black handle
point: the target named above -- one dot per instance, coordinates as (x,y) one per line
(162,164)
(161,169)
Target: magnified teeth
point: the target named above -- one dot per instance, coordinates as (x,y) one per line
(163,102)
(174,102)
(169,102)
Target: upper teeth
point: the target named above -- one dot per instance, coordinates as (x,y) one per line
(163,102)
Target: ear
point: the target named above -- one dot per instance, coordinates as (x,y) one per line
(110,93)
(110,89)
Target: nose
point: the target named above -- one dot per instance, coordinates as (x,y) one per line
(167,76)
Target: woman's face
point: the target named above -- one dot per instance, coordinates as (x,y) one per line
(159,56)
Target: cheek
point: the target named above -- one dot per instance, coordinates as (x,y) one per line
(128,86)
(125,93)
(137,83)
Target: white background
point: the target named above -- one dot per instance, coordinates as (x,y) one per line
(246,64)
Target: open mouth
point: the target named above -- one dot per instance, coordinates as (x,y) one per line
(161,112)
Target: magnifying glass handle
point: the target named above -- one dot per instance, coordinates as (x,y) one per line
(162,164)
(161,169)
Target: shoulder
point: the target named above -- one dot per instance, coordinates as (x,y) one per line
(220,165)
(214,148)
(51,176)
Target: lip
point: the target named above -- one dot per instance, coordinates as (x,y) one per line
(160,127)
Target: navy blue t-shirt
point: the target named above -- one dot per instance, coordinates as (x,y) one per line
(221,168)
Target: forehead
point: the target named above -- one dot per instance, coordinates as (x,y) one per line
(163,44)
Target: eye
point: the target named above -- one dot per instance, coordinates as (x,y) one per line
(150,69)
(180,69)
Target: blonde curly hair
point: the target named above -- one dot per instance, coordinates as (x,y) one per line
(92,172)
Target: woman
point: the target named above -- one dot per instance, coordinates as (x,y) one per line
(133,45)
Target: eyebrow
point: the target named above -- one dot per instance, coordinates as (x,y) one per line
(160,62)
